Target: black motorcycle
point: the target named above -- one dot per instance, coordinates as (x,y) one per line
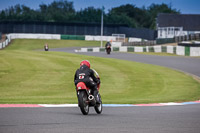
(108,49)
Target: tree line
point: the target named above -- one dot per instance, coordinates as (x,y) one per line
(63,11)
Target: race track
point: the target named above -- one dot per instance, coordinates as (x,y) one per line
(160,119)
(167,119)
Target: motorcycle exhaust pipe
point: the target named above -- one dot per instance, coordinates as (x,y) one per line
(92,99)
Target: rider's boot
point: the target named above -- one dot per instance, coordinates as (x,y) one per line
(97,96)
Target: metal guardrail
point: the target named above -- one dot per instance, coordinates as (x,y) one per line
(187,37)
(143,43)
(5,43)
(177,39)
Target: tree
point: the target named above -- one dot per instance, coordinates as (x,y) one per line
(133,13)
(89,14)
(60,11)
(3,15)
(115,18)
(63,11)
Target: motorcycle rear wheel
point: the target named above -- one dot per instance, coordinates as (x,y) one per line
(83,102)
(98,107)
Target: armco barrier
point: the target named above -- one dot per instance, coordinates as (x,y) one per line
(9,37)
(170,49)
(5,43)
(142,43)
(179,50)
(115,48)
(34,36)
(164,40)
(194,51)
(102,49)
(72,37)
(123,49)
(130,49)
(96,49)
(157,49)
(98,38)
(138,49)
(164,49)
(132,39)
(27,36)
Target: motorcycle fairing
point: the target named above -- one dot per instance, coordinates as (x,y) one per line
(81,86)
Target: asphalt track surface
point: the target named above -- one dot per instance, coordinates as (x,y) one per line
(166,119)
(161,119)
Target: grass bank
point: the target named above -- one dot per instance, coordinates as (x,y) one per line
(34,44)
(28,76)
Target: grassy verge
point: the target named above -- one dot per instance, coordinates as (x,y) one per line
(34,44)
(47,77)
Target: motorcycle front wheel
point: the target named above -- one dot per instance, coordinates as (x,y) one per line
(108,51)
(98,107)
(83,102)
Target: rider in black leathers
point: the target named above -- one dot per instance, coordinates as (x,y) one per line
(107,44)
(86,75)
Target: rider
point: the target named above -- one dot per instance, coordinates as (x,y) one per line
(46,47)
(108,44)
(86,75)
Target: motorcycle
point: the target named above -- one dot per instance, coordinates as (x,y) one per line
(108,49)
(46,48)
(86,99)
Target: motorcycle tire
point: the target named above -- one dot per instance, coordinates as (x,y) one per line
(83,102)
(98,107)
(108,51)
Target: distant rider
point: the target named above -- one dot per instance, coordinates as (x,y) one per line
(86,75)
(46,47)
(107,44)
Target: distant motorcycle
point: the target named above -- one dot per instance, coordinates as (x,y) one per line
(86,99)
(46,47)
(108,49)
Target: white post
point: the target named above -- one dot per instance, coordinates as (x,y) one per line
(102,27)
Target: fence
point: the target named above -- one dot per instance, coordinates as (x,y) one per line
(6,42)
(9,37)
(164,40)
(34,36)
(60,37)
(143,43)
(187,37)
(72,37)
(98,38)
(178,39)
(75,29)
(143,33)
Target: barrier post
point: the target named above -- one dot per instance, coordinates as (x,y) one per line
(187,51)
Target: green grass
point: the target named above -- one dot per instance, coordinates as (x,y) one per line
(34,44)
(28,76)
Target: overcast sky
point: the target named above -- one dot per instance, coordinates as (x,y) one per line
(185,6)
